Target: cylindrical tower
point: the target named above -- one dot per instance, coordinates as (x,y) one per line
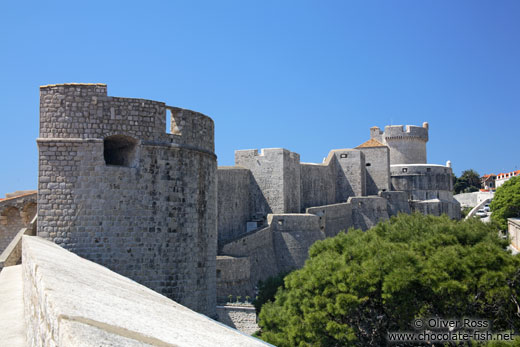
(407,146)
(117,188)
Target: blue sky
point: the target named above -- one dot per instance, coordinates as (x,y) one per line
(309,76)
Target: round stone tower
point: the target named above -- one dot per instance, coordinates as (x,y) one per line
(117,188)
(407,146)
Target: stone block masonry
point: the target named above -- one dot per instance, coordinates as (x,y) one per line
(117,189)
(233,274)
(242,318)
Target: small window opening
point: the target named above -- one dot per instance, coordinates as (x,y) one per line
(119,150)
(343,155)
(429,169)
(405,169)
(168,121)
(218,273)
(368,164)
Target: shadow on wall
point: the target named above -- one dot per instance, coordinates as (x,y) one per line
(260,205)
(344,188)
(16,212)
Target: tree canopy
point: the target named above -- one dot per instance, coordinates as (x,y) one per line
(267,290)
(357,286)
(468,182)
(506,202)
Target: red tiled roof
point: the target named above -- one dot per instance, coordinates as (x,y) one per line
(371,143)
(20,196)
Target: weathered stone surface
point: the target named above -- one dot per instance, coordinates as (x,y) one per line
(70,301)
(12,322)
(233,276)
(242,318)
(16,212)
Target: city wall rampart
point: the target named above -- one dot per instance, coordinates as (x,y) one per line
(259,248)
(118,188)
(283,245)
(397,202)
(333,218)
(293,235)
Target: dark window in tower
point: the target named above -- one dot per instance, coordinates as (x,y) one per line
(119,150)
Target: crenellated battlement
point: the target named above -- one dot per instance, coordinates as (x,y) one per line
(263,154)
(75,88)
(84,111)
(406,132)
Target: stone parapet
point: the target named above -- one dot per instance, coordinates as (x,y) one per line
(72,302)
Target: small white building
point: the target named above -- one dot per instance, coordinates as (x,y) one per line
(502,177)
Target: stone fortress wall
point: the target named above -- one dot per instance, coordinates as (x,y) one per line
(116,188)
(16,212)
(272,208)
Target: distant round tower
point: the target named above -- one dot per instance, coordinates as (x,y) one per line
(117,188)
(407,146)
